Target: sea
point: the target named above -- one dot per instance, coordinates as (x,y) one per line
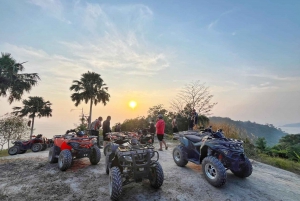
(291,130)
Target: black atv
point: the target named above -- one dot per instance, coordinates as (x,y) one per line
(216,154)
(132,161)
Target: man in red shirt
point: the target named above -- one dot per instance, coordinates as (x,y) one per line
(160,131)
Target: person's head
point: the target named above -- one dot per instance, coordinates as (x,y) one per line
(160,116)
(100,118)
(174,117)
(108,118)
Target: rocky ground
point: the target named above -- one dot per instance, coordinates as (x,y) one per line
(30,177)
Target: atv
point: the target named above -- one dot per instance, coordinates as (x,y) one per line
(216,154)
(20,147)
(130,161)
(72,146)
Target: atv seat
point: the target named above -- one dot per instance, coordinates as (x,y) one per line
(193,138)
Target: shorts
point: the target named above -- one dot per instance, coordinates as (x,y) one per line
(160,137)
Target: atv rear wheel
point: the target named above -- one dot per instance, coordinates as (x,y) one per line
(156,176)
(65,159)
(95,155)
(115,183)
(178,156)
(214,171)
(107,149)
(53,152)
(36,147)
(245,170)
(13,150)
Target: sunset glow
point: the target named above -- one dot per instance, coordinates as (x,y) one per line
(132,104)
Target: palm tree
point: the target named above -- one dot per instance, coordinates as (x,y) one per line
(34,107)
(90,87)
(11,81)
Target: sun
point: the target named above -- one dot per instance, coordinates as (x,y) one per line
(132,104)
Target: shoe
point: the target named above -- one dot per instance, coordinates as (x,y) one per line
(100,147)
(160,150)
(167,148)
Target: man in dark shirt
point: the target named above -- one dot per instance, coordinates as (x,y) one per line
(106,129)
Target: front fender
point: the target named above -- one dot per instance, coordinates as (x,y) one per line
(184,141)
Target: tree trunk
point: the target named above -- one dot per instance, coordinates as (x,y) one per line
(8,143)
(32,127)
(90,117)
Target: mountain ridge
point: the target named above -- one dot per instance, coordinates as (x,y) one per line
(254,130)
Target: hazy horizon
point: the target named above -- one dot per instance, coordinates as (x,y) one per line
(246,52)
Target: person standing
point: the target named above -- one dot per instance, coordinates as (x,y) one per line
(106,129)
(160,132)
(152,130)
(95,126)
(174,125)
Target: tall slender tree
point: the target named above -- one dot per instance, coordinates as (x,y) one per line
(12,82)
(34,107)
(90,87)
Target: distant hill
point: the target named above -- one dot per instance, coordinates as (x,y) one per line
(292,125)
(254,130)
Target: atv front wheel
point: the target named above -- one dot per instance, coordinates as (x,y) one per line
(245,170)
(107,149)
(115,183)
(53,152)
(64,160)
(13,150)
(156,176)
(95,155)
(36,147)
(178,156)
(214,171)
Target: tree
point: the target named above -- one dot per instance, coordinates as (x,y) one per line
(90,87)
(261,143)
(12,82)
(12,128)
(194,95)
(34,107)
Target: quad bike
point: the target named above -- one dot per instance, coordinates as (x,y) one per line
(72,146)
(216,154)
(130,161)
(20,147)
(117,137)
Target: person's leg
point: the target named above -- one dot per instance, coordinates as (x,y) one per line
(160,137)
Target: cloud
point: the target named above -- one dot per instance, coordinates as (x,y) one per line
(54,7)
(212,24)
(274,77)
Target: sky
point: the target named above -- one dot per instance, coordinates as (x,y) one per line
(246,52)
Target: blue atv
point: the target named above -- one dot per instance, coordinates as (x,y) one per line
(216,154)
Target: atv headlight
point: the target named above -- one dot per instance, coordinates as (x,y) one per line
(128,158)
(225,151)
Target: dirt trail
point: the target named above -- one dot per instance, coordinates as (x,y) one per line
(31,177)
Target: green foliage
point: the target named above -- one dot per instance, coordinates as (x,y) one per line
(12,128)
(261,144)
(34,107)
(134,124)
(280,163)
(13,82)
(90,87)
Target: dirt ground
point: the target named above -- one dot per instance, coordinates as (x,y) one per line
(30,177)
